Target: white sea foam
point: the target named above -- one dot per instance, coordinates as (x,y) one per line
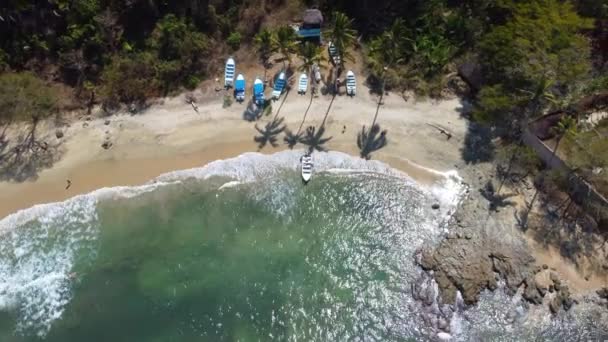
(35,274)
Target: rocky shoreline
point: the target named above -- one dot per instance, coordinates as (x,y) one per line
(485,250)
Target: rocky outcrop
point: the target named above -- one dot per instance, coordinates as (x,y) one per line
(469,263)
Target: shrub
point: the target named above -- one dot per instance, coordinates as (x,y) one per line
(234,40)
(24,96)
(192,82)
(129,79)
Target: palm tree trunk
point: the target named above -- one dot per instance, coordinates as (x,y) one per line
(379,102)
(305,114)
(328,108)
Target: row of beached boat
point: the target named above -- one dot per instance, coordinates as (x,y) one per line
(239,83)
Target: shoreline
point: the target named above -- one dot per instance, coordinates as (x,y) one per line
(171,136)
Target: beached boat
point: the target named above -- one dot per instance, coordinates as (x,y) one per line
(229,72)
(303,84)
(258,92)
(306,166)
(239,88)
(279,85)
(316,72)
(351,83)
(333,53)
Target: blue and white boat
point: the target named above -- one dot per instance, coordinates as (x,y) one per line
(333,53)
(258,92)
(279,85)
(229,73)
(239,88)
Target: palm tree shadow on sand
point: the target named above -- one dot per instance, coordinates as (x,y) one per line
(252,112)
(315,140)
(269,134)
(291,138)
(371,141)
(374,139)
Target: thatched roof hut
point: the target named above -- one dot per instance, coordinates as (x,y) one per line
(312,18)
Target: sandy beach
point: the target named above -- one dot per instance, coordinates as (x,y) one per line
(170,136)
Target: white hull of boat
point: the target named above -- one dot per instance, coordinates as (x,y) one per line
(303,84)
(306,168)
(229,73)
(351,84)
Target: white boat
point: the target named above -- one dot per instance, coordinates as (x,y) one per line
(306,165)
(316,72)
(351,83)
(279,85)
(229,73)
(303,84)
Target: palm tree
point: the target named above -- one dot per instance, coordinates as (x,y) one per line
(314,139)
(370,141)
(539,97)
(342,35)
(565,127)
(269,133)
(284,41)
(311,54)
(385,52)
(265,47)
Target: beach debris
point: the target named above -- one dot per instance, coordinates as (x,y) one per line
(68,184)
(441,130)
(106,144)
(59,134)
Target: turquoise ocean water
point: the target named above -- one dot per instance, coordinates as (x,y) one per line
(241,250)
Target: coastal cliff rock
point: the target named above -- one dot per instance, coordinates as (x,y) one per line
(482,248)
(470,263)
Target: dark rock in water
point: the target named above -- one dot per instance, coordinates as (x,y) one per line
(435,206)
(106,144)
(545,267)
(603,293)
(531,293)
(567,303)
(555,279)
(555,304)
(551,288)
(59,134)
(107,122)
